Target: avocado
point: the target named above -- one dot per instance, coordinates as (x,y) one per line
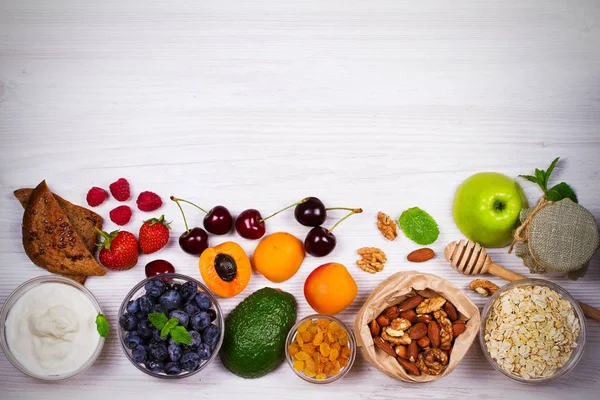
(255,333)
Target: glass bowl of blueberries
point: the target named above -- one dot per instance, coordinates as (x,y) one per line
(170,326)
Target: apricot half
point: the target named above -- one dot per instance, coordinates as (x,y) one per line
(225,269)
(330,288)
(278,256)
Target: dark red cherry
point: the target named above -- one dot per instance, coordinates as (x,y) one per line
(194,241)
(311,213)
(158,267)
(218,221)
(319,242)
(250,224)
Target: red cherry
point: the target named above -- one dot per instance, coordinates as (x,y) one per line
(250,224)
(217,221)
(320,242)
(158,267)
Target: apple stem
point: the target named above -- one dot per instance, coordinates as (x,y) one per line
(352,212)
(304,200)
(176,200)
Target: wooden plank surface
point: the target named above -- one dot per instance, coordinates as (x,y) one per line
(379,104)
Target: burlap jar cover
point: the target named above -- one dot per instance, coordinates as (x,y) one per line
(561,237)
(395,289)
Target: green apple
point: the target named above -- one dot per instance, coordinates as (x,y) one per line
(486,208)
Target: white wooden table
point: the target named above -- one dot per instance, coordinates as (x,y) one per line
(379,104)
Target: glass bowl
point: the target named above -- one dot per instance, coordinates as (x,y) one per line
(291,337)
(577,351)
(138,290)
(16,295)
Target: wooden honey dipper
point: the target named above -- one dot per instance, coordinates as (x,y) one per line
(469,258)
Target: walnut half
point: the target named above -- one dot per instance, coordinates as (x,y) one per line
(372,259)
(387,226)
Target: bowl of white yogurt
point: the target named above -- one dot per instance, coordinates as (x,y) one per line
(48,328)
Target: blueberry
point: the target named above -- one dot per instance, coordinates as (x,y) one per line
(140,316)
(173,341)
(139,354)
(174,351)
(211,335)
(202,300)
(155,366)
(157,338)
(189,290)
(212,313)
(172,368)
(200,321)
(145,329)
(190,308)
(196,340)
(154,288)
(145,304)
(157,308)
(171,300)
(190,361)
(181,316)
(204,351)
(175,286)
(133,306)
(128,322)
(158,351)
(132,340)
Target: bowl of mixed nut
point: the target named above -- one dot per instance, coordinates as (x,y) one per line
(416,327)
(533,331)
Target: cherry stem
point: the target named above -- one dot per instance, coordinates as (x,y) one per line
(352,212)
(340,208)
(189,202)
(176,200)
(304,200)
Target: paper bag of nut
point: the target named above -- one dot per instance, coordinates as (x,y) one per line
(416,327)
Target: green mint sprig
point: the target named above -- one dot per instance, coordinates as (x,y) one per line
(556,192)
(171,327)
(102,325)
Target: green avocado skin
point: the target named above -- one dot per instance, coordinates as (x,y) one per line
(255,333)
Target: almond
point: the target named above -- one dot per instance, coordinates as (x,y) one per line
(374,328)
(424,342)
(410,303)
(410,315)
(385,346)
(421,255)
(391,312)
(409,367)
(458,327)
(413,351)
(451,311)
(402,352)
(383,321)
(424,318)
(417,331)
(433,331)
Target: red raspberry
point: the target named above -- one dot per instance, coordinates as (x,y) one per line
(96,196)
(148,201)
(120,215)
(120,189)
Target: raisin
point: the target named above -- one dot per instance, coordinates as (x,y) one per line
(299,365)
(333,355)
(324,349)
(320,376)
(293,349)
(302,355)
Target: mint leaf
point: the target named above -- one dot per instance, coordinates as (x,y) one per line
(419,226)
(181,335)
(158,319)
(561,191)
(540,176)
(102,325)
(549,171)
(172,323)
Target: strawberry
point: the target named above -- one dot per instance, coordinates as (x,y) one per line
(119,250)
(154,235)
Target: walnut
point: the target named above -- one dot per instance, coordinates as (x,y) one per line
(372,259)
(387,226)
(430,305)
(404,339)
(445,329)
(483,287)
(397,327)
(429,368)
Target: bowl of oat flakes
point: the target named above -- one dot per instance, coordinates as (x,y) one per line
(533,331)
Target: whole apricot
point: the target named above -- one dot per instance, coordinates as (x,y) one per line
(330,288)
(278,256)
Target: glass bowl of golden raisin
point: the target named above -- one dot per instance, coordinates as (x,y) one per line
(320,348)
